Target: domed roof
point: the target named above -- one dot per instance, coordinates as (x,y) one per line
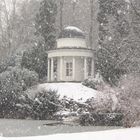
(71,32)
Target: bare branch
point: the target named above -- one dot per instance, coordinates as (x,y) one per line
(134,8)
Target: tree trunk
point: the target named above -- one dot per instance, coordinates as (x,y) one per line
(91,23)
(61,14)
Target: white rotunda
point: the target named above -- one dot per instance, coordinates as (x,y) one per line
(72,60)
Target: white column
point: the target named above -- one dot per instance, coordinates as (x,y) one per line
(92,68)
(73,69)
(52,69)
(85,67)
(61,69)
(48,70)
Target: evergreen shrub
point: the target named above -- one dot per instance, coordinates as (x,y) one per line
(13,83)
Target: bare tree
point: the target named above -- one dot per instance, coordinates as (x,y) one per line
(91,22)
(61,14)
(136,10)
(16,25)
(1,29)
(8,22)
(74,3)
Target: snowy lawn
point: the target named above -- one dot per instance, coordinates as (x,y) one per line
(22,128)
(75,91)
(124,134)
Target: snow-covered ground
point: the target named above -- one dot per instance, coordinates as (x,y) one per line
(75,91)
(26,128)
(122,134)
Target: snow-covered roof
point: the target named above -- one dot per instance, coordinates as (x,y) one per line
(73,28)
(127,1)
(71,32)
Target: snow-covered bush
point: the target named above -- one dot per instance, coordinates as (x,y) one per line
(70,108)
(129,99)
(23,107)
(101,119)
(16,77)
(12,84)
(124,99)
(69,104)
(99,108)
(45,104)
(105,102)
(96,83)
(86,119)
